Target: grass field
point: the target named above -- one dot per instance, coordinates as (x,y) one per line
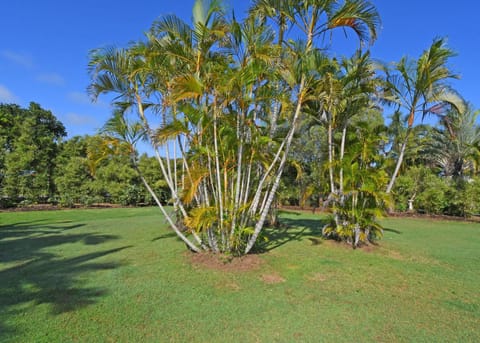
(118,275)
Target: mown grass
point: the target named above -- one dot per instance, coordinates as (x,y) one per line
(119,275)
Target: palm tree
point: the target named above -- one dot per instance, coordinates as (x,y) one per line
(454,145)
(356,210)
(306,16)
(351,119)
(212,84)
(420,87)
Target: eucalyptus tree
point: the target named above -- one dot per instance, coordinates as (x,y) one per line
(203,92)
(420,87)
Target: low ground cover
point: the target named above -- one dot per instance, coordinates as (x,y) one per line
(120,275)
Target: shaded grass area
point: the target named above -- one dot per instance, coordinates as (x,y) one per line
(119,275)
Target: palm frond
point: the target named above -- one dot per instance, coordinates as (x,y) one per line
(359,15)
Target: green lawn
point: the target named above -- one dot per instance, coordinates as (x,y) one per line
(118,275)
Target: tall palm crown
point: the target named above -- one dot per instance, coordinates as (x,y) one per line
(421,87)
(454,147)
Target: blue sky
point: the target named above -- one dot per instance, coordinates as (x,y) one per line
(44,45)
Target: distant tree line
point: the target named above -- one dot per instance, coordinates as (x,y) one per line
(440,173)
(39,166)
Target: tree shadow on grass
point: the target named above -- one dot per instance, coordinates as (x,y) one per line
(393,231)
(31,273)
(35,227)
(171,234)
(290,229)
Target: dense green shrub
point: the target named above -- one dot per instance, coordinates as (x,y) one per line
(464,197)
(433,196)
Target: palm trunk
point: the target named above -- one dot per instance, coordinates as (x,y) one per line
(342,154)
(399,162)
(218,176)
(330,157)
(287,141)
(162,167)
(192,246)
(237,195)
(410,202)
(273,190)
(258,193)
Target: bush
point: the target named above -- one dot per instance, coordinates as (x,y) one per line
(131,196)
(7,202)
(66,201)
(433,197)
(464,197)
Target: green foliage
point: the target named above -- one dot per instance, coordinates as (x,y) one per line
(28,150)
(435,194)
(89,173)
(72,177)
(463,197)
(132,195)
(433,198)
(360,200)
(409,186)
(202,218)
(355,218)
(454,144)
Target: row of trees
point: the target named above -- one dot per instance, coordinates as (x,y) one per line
(38,166)
(440,173)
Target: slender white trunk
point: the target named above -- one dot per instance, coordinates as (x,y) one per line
(212,240)
(169,168)
(175,196)
(330,157)
(342,154)
(236,200)
(264,202)
(211,178)
(410,202)
(175,173)
(246,193)
(172,224)
(273,190)
(218,176)
(165,175)
(258,193)
(399,163)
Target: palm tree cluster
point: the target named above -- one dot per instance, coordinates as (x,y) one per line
(225,97)
(222,103)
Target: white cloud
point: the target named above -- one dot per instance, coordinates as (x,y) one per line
(23,60)
(7,96)
(80,119)
(82,98)
(79,98)
(51,79)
